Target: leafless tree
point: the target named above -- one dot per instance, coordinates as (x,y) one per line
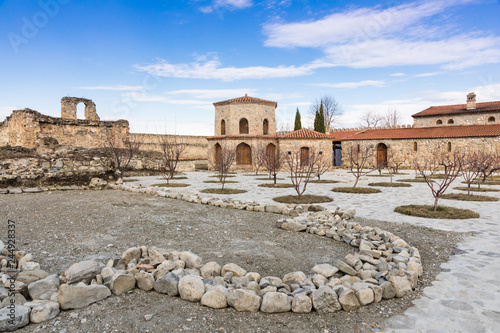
(172,151)
(259,158)
(331,109)
(359,156)
(301,169)
(488,162)
(452,164)
(392,118)
(121,151)
(273,162)
(322,165)
(394,162)
(223,163)
(470,170)
(370,119)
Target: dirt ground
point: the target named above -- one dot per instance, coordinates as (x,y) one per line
(61,228)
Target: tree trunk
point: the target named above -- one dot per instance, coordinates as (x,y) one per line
(436,203)
(356,182)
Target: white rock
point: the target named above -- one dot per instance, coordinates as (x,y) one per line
(191,288)
(44,311)
(215,298)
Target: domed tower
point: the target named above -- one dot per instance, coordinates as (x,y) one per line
(245,124)
(245,116)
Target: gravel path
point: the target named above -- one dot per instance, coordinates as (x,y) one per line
(61,228)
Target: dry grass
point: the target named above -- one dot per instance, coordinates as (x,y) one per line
(476,189)
(305,199)
(443,212)
(129,180)
(466,197)
(217,176)
(412,180)
(323,181)
(386,184)
(358,190)
(269,178)
(218,181)
(276,185)
(222,191)
(171,185)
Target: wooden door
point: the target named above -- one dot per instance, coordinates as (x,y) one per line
(382,155)
(243,154)
(304,156)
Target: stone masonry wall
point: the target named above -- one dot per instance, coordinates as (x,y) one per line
(472,118)
(254,113)
(196,145)
(323,145)
(403,150)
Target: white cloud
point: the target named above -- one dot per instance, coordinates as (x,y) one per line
(397,74)
(210,68)
(228,4)
(396,36)
(114,88)
(213,93)
(352,85)
(427,74)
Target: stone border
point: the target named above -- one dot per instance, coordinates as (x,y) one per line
(385,267)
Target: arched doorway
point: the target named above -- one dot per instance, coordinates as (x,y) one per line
(243,154)
(381,155)
(218,153)
(304,156)
(271,151)
(243,126)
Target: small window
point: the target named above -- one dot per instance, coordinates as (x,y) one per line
(243,126)
(449,146)
(359,148)
(320,153)
(265,127)
(491,119)
(223,127)
(289,153)
(439,122)
(450,121)
(415,146)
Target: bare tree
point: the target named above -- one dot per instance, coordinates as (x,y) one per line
(301,169)
(273,162)
(470,170)
(370,119)
(331,109)
(394,162)
(121,151)
(359,156)
(452,164)
(487,164)
(223,163)
(322,165)
(172,151)
(392,118)
(259,158)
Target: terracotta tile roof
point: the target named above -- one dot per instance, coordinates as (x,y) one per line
(418,133)
(304,133)
(245,100)
(457,109)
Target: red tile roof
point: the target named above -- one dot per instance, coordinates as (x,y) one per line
(304,133)
(457,109)
(418,133)
(244,136)
(245,100)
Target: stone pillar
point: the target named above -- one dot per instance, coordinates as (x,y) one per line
(471,101)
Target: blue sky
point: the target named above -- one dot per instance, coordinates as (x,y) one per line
(161,64)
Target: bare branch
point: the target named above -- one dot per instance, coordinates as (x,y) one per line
(301,169)
(172,151)
(121,151)
(331,109)
(359,156)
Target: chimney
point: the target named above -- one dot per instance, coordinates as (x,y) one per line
(471,101)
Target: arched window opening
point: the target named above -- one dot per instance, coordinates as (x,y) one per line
(243,126)
(243,154)
(223,127)
(304,156)
(450,121)
(439,122)
(415,146)
(80,110)
(265,127)
(491,119)
(449,146)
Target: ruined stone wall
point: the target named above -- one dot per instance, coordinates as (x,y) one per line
(196,145)
(404,150)
(29,128)
(4,134)
(254,113)
(472,118)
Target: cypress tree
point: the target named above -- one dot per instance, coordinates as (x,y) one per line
(321,120)
(316,121)
(298,123)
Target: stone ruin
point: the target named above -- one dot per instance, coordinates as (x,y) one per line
(69,104)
